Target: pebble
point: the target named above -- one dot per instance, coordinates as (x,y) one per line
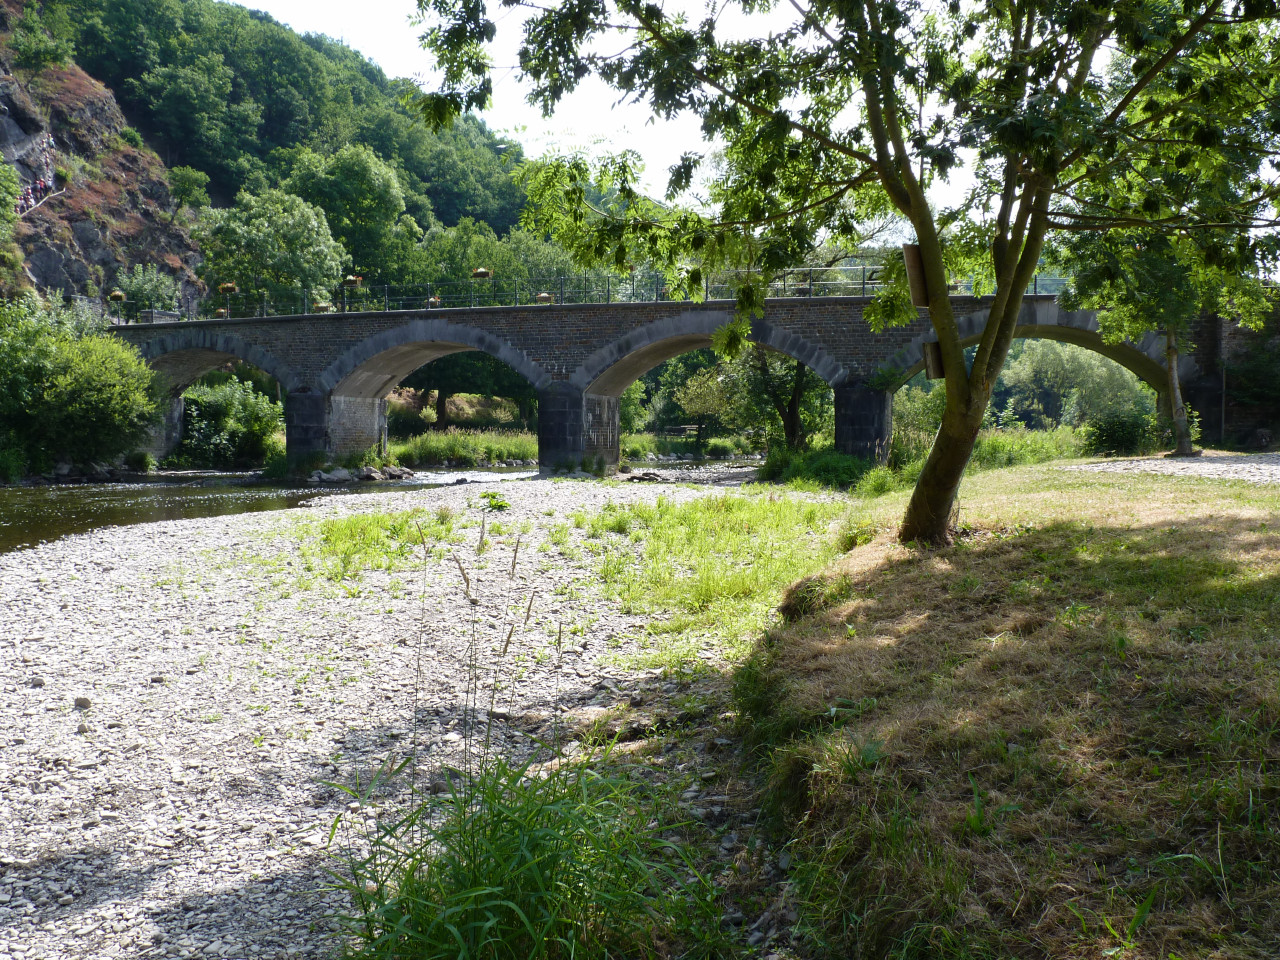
(1251,467)
(193,822)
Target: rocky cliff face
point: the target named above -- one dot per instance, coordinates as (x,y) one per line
(110,205)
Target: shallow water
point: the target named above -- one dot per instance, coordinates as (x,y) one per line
(32,515)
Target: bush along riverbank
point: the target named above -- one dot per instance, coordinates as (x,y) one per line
(996,447)
(70,395)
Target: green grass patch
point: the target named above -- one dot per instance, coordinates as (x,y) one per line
(468,448)
(637,446)
(994,449)
(342,548)
(1055,738)
(715,567)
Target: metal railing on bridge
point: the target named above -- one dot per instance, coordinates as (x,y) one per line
(491,291)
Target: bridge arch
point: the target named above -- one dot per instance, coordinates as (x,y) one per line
(611,369)
(185,354)
(1042,319)
(371,368)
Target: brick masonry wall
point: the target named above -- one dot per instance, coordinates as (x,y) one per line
(356,424)
(552,340)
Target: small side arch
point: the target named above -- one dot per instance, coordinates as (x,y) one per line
(182,356)
(372,367)
(1041,318)
(610,370)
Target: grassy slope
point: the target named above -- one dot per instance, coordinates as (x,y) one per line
(1058,737)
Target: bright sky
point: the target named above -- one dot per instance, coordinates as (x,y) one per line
(381,30)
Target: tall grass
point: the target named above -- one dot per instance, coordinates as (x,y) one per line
(637,446)
(996,447)
(530,864)
(572,859)
(468,448)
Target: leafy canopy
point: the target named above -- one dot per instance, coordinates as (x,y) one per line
(68,390)
(272,242)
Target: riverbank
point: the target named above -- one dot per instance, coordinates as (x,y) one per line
(184,690)
(238,673)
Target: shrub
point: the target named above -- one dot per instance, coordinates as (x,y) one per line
(12,464)
(637,446)
(131,137)
(720,448)
(148,289)
(404,420)
(230,425)
(826,467)
(521,864)
(373,457)
(99,400)
(878,481)
(140,461)
(67,390)
(1119,433)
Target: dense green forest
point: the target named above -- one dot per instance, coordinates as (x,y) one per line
(233,93)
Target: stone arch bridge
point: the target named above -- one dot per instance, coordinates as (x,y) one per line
(336,370)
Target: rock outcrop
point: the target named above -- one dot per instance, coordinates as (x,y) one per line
(110,206)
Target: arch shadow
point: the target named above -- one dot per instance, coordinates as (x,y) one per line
(1042,319)
(610,370)
(373,367)
(183,356)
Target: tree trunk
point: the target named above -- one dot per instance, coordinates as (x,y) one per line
(1181,427)
(792,426)
(442,409)
(928,517)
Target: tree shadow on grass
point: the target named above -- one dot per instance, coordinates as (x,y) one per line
(1059,739)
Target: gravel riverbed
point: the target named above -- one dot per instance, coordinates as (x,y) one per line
(177,696)
(1251,467)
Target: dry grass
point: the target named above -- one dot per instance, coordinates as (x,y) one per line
(1058,737)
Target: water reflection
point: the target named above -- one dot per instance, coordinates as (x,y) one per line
(32,515)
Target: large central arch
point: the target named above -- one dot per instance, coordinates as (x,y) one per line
(356,384)
(372,367)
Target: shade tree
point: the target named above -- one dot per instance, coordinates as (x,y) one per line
(272,242)
(855,108)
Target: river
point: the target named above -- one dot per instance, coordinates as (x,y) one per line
(32,515)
